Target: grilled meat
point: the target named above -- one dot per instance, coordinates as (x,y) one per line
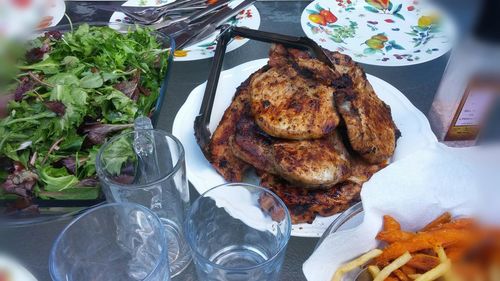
(304,204)
(288,104)
(308,163)
(370,128)
(221,155)
(289,119)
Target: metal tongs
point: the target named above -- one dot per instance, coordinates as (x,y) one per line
(202,121)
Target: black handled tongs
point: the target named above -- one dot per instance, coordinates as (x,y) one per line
(202,121)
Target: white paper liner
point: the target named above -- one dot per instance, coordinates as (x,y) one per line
(415,190)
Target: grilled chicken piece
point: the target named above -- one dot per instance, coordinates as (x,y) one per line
(305,204)
(308,163)
(288,104)
(370,128)
(221,155)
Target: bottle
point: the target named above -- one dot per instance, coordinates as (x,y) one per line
(470,84)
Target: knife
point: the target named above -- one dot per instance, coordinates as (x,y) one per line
(209,26)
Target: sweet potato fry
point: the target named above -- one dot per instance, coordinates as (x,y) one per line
(423,241)
(464,223)
(408,270)
(444,218)
(401,275)
(456,253)
(391,236)
(423,262)
(391,223)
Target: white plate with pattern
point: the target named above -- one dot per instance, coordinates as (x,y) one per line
(380,32)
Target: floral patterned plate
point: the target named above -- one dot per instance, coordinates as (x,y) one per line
(248,18)
(380,32)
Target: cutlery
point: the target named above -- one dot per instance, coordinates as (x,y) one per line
(149,15)
(173,26)
(141,10)
(210,25)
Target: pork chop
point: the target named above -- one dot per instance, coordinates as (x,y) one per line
(221,155)
(287,103)
(370,128)
(305,204)
(308,163)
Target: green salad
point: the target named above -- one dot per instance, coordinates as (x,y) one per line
(71,92)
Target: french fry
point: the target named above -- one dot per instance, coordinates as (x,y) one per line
(414,276)
(341,271)
(422,241)
(373,270)
(396,264)
(391,223)
(391,236)
(463,223)
(435,273)
(443,258)
(444,218)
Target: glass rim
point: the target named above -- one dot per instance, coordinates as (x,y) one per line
(156,219)
(171,172)
(245,185)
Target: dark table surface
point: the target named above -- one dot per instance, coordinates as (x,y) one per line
(31,245)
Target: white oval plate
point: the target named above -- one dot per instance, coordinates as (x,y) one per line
(414,127)
(380,32)
(205,49)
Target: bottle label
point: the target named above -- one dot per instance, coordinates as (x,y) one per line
(472,111)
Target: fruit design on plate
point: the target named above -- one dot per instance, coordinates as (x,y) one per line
(380,32)
(384,7)
(322,20)
(426,29)
(380,43)
(324,17)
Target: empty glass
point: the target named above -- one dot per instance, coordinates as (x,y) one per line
(147,167)
(112,242)
(238,232)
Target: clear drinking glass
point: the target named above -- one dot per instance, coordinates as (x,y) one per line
(147,167)
(238,232)
(112,242)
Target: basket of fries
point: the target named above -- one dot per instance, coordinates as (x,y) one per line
(438,225)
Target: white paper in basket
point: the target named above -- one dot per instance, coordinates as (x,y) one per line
(415,190)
